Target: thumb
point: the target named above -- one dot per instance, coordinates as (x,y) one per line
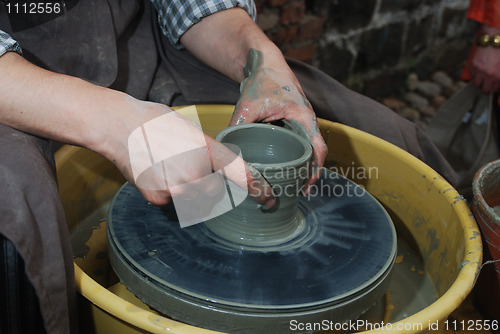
(227,161)
(242,113)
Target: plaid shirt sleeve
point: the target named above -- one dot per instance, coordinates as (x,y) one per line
(177,16)
(7,43)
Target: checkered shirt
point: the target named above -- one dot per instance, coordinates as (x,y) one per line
(7,43)
(175,18)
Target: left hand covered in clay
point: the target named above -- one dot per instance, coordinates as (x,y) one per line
(270,94)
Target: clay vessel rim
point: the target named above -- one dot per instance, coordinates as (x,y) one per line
(261,166)
(478,185)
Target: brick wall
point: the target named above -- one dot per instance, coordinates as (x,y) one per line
(371,45)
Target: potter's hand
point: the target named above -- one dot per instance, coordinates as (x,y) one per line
(485,65)
(273,93)
(270,90)
(169,156)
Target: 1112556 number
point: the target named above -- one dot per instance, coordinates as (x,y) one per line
(33,8)
(471,325)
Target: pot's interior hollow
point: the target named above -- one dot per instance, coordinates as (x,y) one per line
(260,144)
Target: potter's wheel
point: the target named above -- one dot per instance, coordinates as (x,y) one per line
(333,270)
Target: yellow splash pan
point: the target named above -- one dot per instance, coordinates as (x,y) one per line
(416,197)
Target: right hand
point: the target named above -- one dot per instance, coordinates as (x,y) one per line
(168,155)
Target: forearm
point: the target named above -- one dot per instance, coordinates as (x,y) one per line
(59,107)
(222,40)
(269,91)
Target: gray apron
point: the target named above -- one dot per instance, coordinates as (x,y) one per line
(118,44)
(109,43)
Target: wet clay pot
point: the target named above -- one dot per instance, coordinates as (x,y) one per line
(282,157)
(486,208)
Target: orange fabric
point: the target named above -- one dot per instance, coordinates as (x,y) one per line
(466,71)
(485,12)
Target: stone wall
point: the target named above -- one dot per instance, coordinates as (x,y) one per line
(371,45)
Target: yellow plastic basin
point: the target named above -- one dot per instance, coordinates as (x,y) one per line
(420,202)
